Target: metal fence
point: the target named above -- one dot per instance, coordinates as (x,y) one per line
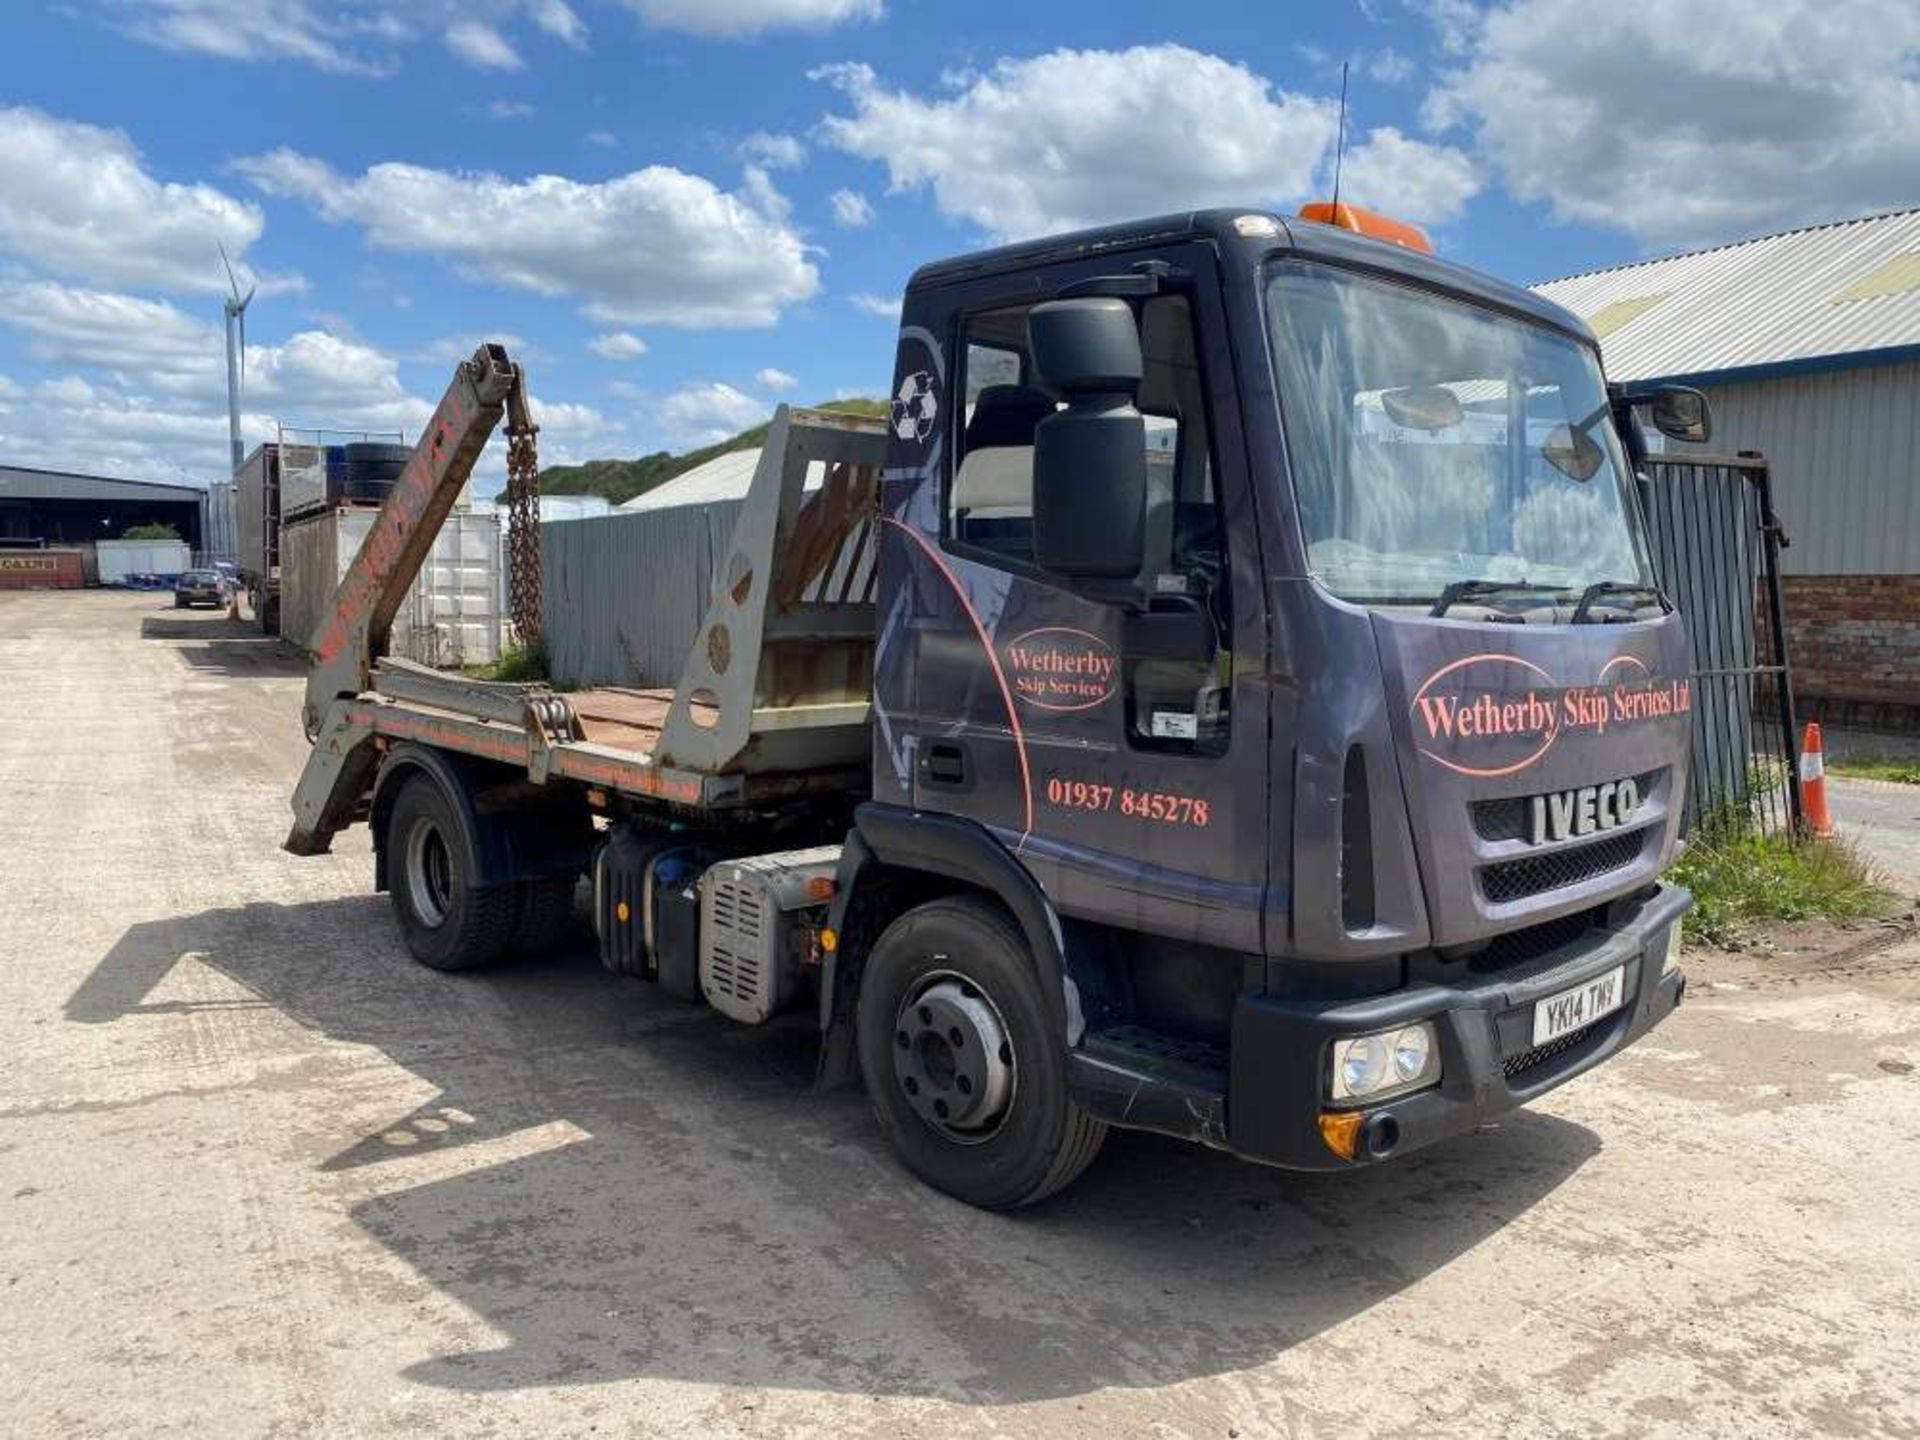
(626,593)
(1717,546)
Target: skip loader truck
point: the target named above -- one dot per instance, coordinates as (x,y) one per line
(1228,696)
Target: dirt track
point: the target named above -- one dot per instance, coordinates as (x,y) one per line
(260,1174)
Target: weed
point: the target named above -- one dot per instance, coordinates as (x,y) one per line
(1741,877)
(1904,772)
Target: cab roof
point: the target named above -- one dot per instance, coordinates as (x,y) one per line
(1306,238)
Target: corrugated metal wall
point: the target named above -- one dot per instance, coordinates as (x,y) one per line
(1845,450)
(625,594)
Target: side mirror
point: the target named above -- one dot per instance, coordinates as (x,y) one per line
(1090,459)
(1681,413)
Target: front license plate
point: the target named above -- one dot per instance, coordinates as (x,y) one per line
(1585,1003)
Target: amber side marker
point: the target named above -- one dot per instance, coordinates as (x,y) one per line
(829,941)
(1341,1130)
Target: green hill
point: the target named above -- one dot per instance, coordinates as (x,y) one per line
(620,480)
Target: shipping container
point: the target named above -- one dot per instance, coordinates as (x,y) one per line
(41,570)
(451,616)
(220,542)
(256,516)
(122,561)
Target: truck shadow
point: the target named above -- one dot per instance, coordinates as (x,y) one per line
(650,1191)
(207,640)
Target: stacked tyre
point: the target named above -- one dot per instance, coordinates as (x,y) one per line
(372,469)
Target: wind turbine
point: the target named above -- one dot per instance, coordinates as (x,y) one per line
(236,308)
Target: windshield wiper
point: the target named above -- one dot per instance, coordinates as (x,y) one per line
(1602,590)
(1476,589)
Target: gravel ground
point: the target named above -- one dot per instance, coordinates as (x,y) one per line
(262,1176)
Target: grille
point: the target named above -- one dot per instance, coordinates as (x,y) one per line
(735,950)
(1527,1059)
(1517,947)
(1557,869)
(1508,818)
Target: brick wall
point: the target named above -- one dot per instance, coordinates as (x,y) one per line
(1855,644)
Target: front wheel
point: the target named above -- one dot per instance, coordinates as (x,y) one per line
(449,922)
(965,1069)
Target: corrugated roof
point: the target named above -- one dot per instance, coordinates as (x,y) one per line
(725,477)
(26,483)
(1790,300)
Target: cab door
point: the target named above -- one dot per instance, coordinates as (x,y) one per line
(1112,735)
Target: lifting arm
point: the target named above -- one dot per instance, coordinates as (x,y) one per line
(354,634)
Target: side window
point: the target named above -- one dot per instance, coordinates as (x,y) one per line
(1177,704)
(990,503)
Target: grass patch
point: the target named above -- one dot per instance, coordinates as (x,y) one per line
(1903,772)
(517,665)
(1741,879)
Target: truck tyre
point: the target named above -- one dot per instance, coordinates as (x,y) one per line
(545,918)
(965,1069)
(449,922)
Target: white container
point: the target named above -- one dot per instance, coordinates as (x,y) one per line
(120,558)
(451,617)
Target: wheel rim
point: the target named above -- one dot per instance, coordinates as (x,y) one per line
(953,1060)
(429,873)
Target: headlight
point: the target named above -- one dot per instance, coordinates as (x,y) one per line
(1392,1062)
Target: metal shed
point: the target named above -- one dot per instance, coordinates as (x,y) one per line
(1808,344)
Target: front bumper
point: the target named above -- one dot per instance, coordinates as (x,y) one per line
(1266,1103)
(1279,1057)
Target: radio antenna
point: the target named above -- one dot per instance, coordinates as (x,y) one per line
(1340,142)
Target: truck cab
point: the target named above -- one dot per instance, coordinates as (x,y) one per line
(1278,601)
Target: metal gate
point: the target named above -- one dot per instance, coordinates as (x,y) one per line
(1717,543)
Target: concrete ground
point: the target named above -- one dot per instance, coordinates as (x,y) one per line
(1882,817)
(260,1175)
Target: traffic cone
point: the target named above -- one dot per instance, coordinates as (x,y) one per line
(1813,783)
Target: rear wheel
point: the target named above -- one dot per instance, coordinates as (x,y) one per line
(965,1068)
(546,917)
(449,922)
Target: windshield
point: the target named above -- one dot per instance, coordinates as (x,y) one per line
(1433,443)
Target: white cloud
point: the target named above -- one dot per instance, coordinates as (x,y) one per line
(884,306)
(479,44)
(1076,137)
(708,411)
(734,18)
(851,210)
(656,246)
(1390,67)
(1411,178)
(79,203)
(1752,114)
(779,152)
(618,346)
(143,388)
(606,139)
(260,30)
(510,110)
(774,380)
(558,19)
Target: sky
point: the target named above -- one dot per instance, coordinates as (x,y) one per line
(678,213)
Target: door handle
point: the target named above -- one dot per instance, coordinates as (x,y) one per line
(945,763)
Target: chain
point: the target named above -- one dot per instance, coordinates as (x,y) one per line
(523,535)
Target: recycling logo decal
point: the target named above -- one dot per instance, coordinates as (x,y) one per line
(916,407)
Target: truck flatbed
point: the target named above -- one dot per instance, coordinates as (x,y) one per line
(772,705)
(608,737)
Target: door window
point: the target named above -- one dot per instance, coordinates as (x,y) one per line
(1177,704)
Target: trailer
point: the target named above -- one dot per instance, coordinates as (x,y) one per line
(1227,696)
